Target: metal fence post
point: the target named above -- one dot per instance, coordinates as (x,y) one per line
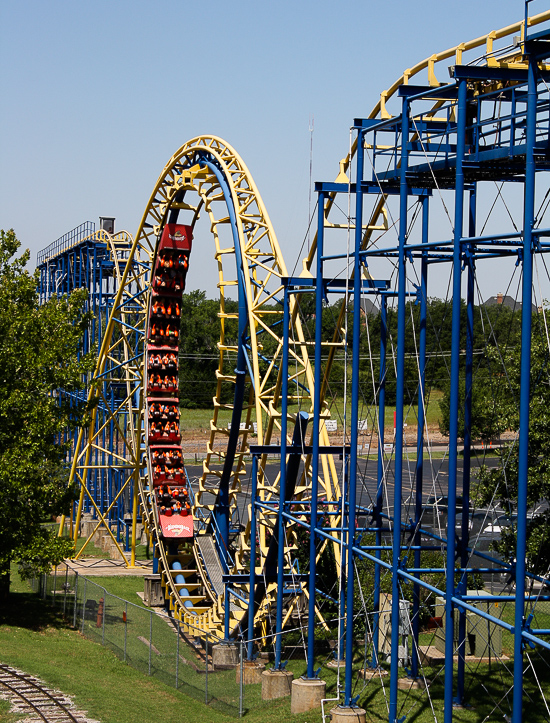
(104,615)
(75,599)
(206,674)
(84,605)
(178,655)
(150,640)
(65,587)
(241,682)
(54,585)
(125,629)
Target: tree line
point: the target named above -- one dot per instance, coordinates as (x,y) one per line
(495,326)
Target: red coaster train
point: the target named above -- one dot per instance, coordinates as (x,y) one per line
(165,457)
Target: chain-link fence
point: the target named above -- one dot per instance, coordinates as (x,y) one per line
(149,641)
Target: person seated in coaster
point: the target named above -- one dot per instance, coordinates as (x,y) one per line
(172,412)
(159,456)
(175,458)
(155,411)
(167,261)
(166,496)
(158,307)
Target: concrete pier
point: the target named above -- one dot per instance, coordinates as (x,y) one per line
(276,684)
(307,694)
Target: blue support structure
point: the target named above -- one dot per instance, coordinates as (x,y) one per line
(252,582)
(377,516)
(282,485)
(466,476)
(455,153)
(421,421)
(399,416)
(352,494)
(315,439)
(454,397)
(84,258)
(525,380)
(221,516)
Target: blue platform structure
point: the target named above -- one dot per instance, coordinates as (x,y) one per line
(93,260)
(413,157)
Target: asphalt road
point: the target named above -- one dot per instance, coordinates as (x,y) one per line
(435,481)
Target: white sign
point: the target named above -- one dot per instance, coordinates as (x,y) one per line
(362,425)
(242,426)
(331,425)
(388,448)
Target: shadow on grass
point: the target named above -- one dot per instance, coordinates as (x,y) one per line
(27,610)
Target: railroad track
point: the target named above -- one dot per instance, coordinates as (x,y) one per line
(29,696)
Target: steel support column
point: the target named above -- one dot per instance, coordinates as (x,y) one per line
(282,482)
(354,418)
(525,388)
(315,437)
(252,582)
(468,382)
(400,390)
(454,401)
(377,517)
(421,421)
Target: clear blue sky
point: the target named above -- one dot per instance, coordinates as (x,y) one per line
(97,95)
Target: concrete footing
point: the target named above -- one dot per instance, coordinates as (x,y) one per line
(368,673)
(225,656)
(252,672)
(412,683)
(335,663)
(307,694)
(348,715)
(276,684)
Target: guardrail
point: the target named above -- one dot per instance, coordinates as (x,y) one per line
(71,238)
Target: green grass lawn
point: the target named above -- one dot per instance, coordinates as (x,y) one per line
(90,550)
(123,586)
(199,419)
(5,715)
(37,639)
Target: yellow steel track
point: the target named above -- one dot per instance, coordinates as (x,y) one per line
(262,270)
(94,448)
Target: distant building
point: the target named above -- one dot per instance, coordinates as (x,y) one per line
(367,307)
(507,301)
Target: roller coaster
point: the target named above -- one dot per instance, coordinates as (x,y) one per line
(411,193)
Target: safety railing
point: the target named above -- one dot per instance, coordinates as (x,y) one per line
(71,238)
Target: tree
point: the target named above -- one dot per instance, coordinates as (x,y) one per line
(39,355)
(495,409)
(501,483)
(199,354)
(497,335)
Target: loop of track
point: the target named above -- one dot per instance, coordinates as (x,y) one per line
(30,697)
